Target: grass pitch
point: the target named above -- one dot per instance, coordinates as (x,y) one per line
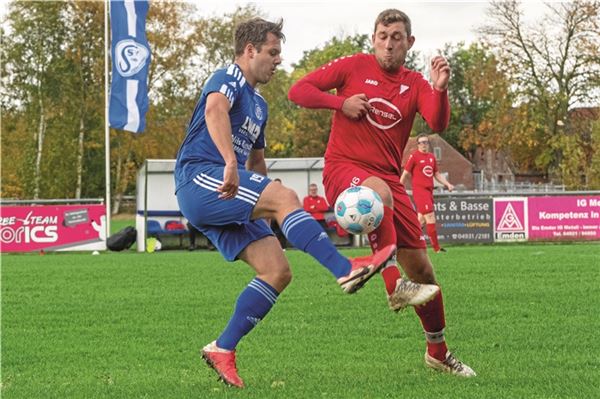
(128,325)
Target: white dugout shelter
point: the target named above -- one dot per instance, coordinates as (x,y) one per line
(156,188)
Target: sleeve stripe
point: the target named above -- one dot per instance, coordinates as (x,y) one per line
(234,71)
(228,93)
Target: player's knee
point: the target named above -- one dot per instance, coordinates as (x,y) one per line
(382,188)
(283,276)
(386,196)
(287,197)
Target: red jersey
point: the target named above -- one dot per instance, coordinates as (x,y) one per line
(376,141)
(422,167)
(316,206)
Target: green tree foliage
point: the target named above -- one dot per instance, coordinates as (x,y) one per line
(481,102)
(34,59)
(53,94)
(516,93)
(216,37)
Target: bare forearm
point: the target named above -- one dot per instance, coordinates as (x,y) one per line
(257,166)
(403,178)
(219,128)
(440,178)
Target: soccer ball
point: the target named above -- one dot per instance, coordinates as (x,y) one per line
(359,210)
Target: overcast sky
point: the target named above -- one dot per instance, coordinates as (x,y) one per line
(309,23)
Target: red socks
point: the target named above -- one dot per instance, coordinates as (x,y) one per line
(390,275)
(434,322)
(433,238)
(383,236)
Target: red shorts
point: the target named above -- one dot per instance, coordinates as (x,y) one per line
(423,201)
(339,176)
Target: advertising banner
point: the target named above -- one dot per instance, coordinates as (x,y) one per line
(564,218)
(510,219)
(464,219)
(52,228)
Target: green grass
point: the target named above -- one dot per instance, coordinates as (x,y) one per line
(128,325)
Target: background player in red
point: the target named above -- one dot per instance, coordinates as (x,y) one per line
(375,104)
(422,166)
(316,205)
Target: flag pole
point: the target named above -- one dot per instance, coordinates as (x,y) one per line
(106,127)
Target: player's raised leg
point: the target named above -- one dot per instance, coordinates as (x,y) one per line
(303,231)
(385,234)
(273,274)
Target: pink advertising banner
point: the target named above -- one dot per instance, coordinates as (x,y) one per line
(564,218)
(52,228)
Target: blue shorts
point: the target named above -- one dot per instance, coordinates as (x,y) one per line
(226,223)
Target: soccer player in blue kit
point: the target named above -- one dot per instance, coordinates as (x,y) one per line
(222,189)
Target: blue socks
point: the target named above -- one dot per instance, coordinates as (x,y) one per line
(252,306)
(304,233)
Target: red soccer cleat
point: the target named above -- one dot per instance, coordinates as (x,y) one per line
(364,268)
(223,362)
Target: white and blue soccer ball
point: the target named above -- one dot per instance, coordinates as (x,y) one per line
(359,210)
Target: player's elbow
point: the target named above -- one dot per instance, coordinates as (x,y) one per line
(439,127)
(293,93)
(296,94)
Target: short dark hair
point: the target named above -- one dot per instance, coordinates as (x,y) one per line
(255,31)
(390,16)
(420,136)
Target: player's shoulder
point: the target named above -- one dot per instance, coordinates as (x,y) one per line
(230,73)
(345,60)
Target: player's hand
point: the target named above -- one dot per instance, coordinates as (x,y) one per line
(356,106)
(450,187)
(440,73)
(231,182)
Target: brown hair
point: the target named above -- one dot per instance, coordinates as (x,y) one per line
(390,16)
(255,31)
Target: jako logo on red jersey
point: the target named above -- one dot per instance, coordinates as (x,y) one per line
(383,114)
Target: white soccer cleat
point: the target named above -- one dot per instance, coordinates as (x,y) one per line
(409,293)
(451,365)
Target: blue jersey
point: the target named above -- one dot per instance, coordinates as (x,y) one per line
(248,116)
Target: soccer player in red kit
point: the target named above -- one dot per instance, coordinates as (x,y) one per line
(375,104)
(422,166)
(316,205)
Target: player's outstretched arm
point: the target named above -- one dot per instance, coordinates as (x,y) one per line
(433,102)
(256,161)
(219,128)
(404,177)
(440,178)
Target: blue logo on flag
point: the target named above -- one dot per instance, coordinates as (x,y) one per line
(130,62)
